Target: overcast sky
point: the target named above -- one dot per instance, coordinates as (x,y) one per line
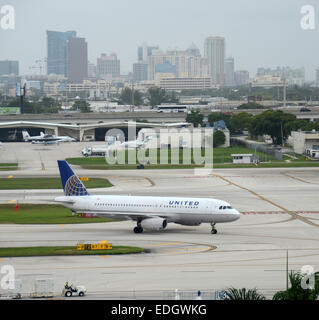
(258,33)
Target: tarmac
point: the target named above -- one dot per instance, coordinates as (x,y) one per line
(280,216)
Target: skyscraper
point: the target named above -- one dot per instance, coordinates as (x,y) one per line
(214,50)
(241,77)
(145,51)
(317,77)
(57,51)
(8,67)
(229,72)
(108,66)
(77,59)
(140,71)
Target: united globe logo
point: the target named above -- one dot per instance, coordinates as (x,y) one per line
(74,187)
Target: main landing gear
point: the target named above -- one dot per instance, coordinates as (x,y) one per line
(138,228)
(214,231)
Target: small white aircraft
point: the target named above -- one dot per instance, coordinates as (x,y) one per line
(46,138)
(150,213)
(134,144)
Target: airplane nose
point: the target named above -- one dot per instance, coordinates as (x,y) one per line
(236,214)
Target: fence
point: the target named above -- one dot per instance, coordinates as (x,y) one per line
(260,147)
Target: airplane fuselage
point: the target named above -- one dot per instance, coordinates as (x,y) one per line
(188,211)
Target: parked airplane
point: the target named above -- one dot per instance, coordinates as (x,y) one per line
(46,138)
(135,144)
(150,213)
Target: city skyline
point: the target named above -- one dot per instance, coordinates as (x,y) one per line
(250,30)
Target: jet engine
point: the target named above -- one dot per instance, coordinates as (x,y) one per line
(154,224)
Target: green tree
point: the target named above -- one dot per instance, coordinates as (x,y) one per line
(195,117)
(251,105)
(126,97)
(156,96)
(272,123)
(81,105)
(240,122)
(243,294)
(295,291)
(219,138)
(217,116)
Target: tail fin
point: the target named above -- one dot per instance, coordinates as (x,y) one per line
(71,184)
(25,135)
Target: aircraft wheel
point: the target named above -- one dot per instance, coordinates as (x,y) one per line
(138,230)
(214,231)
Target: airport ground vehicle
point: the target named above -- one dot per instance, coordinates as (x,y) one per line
(94,151)
(73,290)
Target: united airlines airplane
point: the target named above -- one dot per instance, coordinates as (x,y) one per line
(150,213)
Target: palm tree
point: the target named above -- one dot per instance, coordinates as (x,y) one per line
(243,294)
(295,292)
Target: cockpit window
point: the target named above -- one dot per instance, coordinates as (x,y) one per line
(229,207)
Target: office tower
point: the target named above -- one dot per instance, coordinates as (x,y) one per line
(214,50)
(193,50)
(145,51)
(241,77)
(140,71)
(91,70)
(9,67)
(186,65)
(229,72)
(57,51)
(77,59)
(317,77)
(108,66)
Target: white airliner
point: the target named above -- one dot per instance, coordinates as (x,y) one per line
(46,138)
(150,213)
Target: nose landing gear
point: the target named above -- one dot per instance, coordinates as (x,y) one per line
(213,231)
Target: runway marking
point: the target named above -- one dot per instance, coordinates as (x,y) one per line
(278,212)
(150,181)
(163,244)
(291,213)
(2,259)
(296,178)
(105,256)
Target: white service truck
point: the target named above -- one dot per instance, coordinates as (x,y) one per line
(94,151)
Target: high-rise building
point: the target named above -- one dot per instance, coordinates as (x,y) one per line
(317,77)
(77,59)
(214,50)
(57,51)
(241,77)
(145,51)
(290,75)
(9,67)
(108,66)
(186,65)
(91,70)
(229,72)
(140,71)
(192,50)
